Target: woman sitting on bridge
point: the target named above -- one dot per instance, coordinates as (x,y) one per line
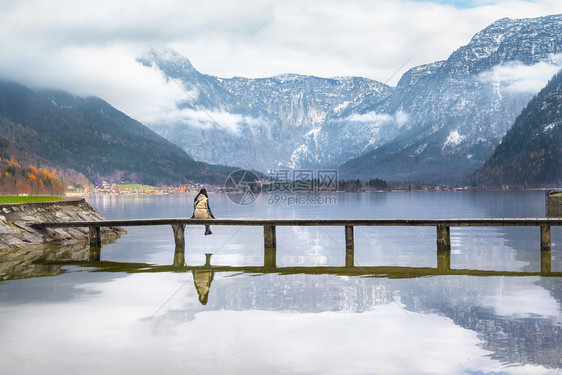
(202,210)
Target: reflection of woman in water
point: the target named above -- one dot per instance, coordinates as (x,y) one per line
(202,279)
(202,210)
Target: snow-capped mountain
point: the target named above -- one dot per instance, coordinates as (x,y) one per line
(255,123)
(440,122)
(459,109)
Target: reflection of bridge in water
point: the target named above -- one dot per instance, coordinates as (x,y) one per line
(443,240)
(393,272)
(203,274)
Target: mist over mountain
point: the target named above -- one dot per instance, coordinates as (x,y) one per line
(441,122)
(459,109)
(90,136)
(254,123)
(530,154)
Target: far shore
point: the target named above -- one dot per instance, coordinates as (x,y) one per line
(220,190)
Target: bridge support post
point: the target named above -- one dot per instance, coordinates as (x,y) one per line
(270,246)
(545,261)
(545,249)
(95,236)
(95,253)
(179,234)
(349,246)
(179,256)
(269,236)
(443,260)
(443,238)
(545,237)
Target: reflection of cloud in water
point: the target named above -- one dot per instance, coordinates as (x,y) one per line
(310,246)
(108,330)
(522,299)
(487,249)
(378,341)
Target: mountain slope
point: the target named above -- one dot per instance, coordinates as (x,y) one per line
(441,122)
(459,109)
(90,136)
(256,123)
(530,154)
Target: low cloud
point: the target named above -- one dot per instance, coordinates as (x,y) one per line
(89,47)
(379,119)
(520,78)
(232,123)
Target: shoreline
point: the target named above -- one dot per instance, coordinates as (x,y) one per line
(219,191)
(16,233)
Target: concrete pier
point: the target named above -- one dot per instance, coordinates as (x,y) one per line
(443,231)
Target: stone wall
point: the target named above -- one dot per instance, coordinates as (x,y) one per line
(15,232)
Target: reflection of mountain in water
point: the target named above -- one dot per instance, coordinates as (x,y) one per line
(513,338)
(468,301)
(302,293)
(515,334)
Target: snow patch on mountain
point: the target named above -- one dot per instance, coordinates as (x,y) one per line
(453,139)
(548,128)
(419,150)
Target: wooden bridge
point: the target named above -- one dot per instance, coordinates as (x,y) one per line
(443,231)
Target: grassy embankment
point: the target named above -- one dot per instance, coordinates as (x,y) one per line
(26,199)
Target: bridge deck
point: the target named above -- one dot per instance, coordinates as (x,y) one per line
(312,222)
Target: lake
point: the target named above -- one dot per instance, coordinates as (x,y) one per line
(133,312)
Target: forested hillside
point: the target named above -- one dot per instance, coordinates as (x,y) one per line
(530,154)
(90,136)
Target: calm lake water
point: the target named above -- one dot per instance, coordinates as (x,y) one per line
(133,312)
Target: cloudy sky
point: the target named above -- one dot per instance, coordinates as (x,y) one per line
(89,47)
